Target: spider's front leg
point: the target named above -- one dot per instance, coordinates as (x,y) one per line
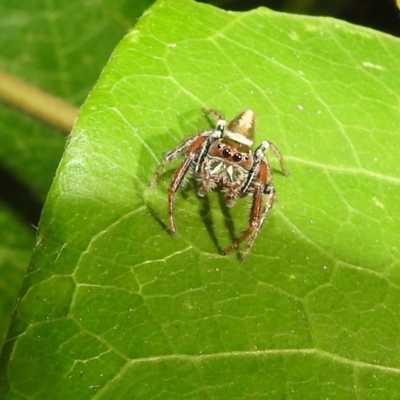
(190,141)
(171,155)
(193,148)
(259,212)
(221,122)
(259,209)
(270,190)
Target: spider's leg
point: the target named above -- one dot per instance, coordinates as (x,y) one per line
(278,155)
(171,155)
(257,208)
(179,174)
(221,122)
(267,206)
(177,151)
(202,153)
(173,187)
(259,211)
(214,113)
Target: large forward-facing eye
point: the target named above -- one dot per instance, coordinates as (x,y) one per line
(237,157)
(226,153)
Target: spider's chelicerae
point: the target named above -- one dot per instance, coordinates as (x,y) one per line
(222,158)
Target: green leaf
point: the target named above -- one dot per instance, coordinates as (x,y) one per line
(61,48)
(114,307)
(15,249)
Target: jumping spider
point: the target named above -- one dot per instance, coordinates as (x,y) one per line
(222,158)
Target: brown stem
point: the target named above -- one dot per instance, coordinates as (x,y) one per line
(39,104)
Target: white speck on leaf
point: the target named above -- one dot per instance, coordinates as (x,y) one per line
(371,65)
(377,202)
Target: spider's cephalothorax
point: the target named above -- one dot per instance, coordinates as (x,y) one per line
(222,158)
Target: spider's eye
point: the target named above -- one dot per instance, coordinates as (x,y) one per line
(219,146)
(226,153)
(237,157)
(246,158)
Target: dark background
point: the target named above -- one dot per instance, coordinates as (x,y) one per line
(382,15)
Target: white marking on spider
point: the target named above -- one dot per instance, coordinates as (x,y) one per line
(237,137)
(229,170)
(216,169)
(221,124)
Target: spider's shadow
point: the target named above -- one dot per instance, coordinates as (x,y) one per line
(206,216)
(205,211)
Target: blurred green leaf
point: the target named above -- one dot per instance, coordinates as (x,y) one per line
(15,248)
(114,307)
(60,48)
